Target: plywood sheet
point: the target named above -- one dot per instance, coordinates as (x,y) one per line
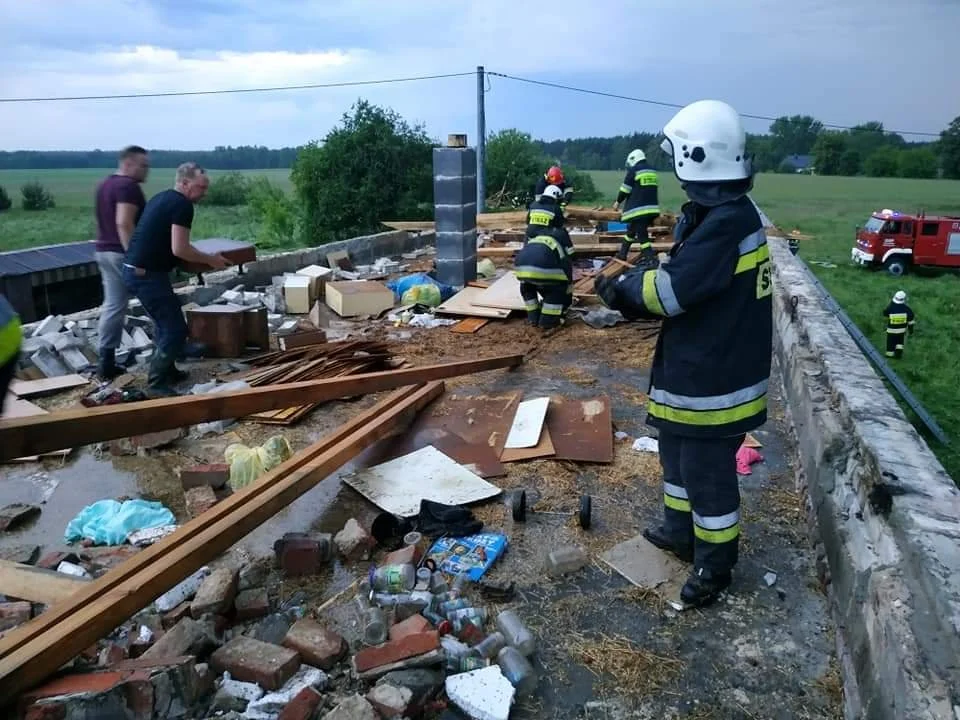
(476,457)
(525,430)
(648,567)
(582,430)
(31,388)
(469,325)
(480,419)
(504,293)
(399,485)
(37,584)
(543,448)
(463,304)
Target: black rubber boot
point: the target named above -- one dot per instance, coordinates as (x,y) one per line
(624,251)
(648,259)
(704,587)
(176,375)
(107,368)
(158,376)
(658,536)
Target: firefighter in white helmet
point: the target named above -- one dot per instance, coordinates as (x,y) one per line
(640,191)
(900,321)
(711,367)
(544,264)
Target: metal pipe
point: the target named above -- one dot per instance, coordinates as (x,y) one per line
(481,142)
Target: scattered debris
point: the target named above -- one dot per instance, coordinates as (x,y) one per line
(17,514)
(646,444)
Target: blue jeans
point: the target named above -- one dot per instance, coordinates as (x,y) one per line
(155,293)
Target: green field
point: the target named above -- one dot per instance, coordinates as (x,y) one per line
(72,219)
(827,208)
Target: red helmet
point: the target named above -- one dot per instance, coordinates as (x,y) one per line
(554,175)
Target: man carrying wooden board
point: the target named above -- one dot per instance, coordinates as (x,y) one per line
(159,243)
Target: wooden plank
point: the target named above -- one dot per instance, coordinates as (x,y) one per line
(300,339)
(37,584)
(462,304)
(409,225)
(503,294)
(32,388)
(469,325)
(593,249)
(82,426)
(543,448)
(31,652)
(581,430)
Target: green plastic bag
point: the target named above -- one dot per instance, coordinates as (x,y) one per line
(428,295)
(247,464)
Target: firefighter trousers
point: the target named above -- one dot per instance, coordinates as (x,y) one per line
(557,298)
(701,497)
(895,340)
(638,229)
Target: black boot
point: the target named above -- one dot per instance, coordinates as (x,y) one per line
(176,375)
(704,587)
(624,250)
(158,376)
(649,260)
(107,368)
(658,536)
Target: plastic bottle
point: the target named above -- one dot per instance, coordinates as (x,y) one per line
(451,605)
(468,631)
(490,646)
(443,626)
(424,578)
(465,664)
(393,578)
(461,583)
(516,633)
(517,670)
(477,615)
(438,583)
(566,559)
(374,626)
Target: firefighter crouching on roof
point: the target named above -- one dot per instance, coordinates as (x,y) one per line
(640,191)
(711,367)
(900,320)
(553,176)
(543,264)
(10,338)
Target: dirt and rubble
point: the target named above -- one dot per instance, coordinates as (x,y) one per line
(605,649)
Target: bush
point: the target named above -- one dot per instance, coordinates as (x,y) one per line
(584,189)
(276,213)
(36,197)
(5,202)
(228,190)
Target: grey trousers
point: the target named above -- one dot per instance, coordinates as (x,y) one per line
(115,299)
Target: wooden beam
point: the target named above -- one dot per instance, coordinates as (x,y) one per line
(600,249)
(75,427)
(84,620)
(37,584)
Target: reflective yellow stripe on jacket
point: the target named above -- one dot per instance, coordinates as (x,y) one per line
(10,337)
(707,410)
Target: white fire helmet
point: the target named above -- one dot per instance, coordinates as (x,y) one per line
(707,142)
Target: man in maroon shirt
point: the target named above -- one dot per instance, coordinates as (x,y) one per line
(119,202)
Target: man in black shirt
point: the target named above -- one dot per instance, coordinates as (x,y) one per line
(160,241)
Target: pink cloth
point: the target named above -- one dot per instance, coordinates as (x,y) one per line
(747,456)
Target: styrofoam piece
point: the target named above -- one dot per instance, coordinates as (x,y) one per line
(182,592)
(528,423)
(483,694)
(646,444)
(398,485)
(239,689)
(271,704)
(50,324)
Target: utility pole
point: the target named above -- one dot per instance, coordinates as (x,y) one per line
(481,142)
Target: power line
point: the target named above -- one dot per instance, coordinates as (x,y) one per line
(184,93)
(661,103)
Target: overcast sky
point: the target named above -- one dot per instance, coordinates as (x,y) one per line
(844,63)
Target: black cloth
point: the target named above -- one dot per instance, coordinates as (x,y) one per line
(151,245)
(437,519)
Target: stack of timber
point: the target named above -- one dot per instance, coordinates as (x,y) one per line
(575,215)
(614,268)
(312,362)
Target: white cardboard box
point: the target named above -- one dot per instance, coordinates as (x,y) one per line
(318,278)
(358,297)
(296,294)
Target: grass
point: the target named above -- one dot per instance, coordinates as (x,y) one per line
(72,219)
(829,208)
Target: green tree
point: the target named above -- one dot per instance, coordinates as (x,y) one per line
(870,137)
(36,197)
(514,162)
(228,190)
(919,162)
(373,166)
(950,150)
(794,135)
(275,211)
(884,162)
(850,162)
(827,152)
(5,202)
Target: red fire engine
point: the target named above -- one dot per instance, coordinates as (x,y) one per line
(896,241)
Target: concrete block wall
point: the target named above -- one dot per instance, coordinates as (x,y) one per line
(887,513)
(455,214)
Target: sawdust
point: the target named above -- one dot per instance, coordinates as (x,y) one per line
(634,671)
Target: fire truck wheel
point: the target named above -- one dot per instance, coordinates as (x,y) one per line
(896,266)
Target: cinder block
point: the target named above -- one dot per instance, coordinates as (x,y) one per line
(456,245)
(455,218)
(455,162)
(455,190)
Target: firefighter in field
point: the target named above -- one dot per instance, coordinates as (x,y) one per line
(711,367)
(546,213)
(553,176)
(640,191)
(543,265)
(899,323)
(11,336)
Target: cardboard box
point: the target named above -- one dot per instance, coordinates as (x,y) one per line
(296,294)
(318,279)
(358,297)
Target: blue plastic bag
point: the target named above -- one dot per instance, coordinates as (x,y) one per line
(401,285)
(108,522)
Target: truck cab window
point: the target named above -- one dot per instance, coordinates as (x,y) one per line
(893,227)
(929,228)
(907,227)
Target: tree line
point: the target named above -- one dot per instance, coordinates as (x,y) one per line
(222,157)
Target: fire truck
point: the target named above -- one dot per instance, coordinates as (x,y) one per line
(897,241)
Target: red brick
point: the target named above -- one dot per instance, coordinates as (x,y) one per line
(317,645)
(216,593)
(396,650)
(253,603)
(139,694)
(413,625)
(112,654)
(249,660)
(303,706)
(299,556)
(108,557)
(14,613)
(199,500)
(176,615)
(130,445)
(78,683)
(404,556)
(187,637)
(50,561)
(214,476)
